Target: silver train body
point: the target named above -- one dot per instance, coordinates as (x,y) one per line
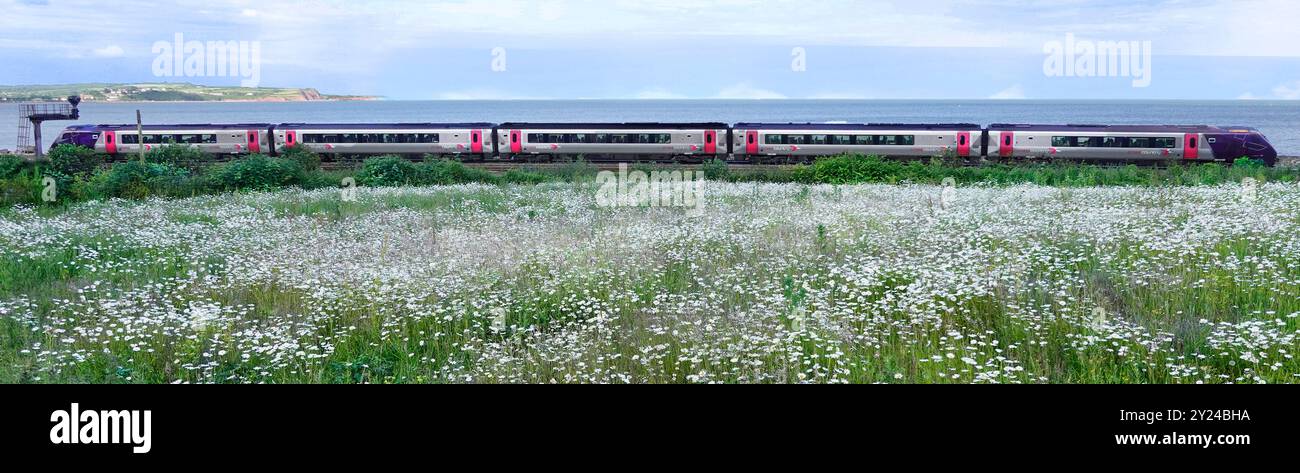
(695,142)
(615,141)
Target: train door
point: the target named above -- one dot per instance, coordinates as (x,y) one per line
(253,146)
(1006,144)
(290,138)
(1191,141)
(110,142)
(710,142)
(476,141)
(963,144)
(751,142)
(516,145)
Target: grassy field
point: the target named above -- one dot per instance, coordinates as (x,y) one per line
(765,283)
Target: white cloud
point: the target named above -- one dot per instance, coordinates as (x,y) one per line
(747,91)
(658,93)
(1015,92)
(1247,96)
(111,50)
(1287,91)
(249,12)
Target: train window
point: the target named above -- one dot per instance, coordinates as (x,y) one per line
(751,139)
(1139,143)
(1192,142)
(1062,141)
(601,138)
(818,139)
(862,140)
(644,138)
(796,139)
(708,139)
(665,138)
(961,140)
(129,139)
(772,139)
(907,140)
(1007,140)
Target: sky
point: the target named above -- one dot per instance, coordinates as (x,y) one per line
(671,49)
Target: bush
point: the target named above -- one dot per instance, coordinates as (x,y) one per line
(10,165)
(73,160)
(182,156)
(716,170)
(574,171)
(387,171)
(446,172)
(23,187)
(304,157)
(256,172)
(136,180)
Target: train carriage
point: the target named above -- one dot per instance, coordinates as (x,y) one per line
(1127,143)
(468,141)
(215,139)
(763,142)
(613,141)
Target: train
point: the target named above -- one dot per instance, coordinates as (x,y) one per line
(758,143)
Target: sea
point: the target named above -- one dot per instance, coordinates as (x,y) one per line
(1278,120)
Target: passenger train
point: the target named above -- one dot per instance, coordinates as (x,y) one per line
(695,142)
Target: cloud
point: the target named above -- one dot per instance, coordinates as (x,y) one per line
(248,12)
(658,93)
(111,50)
(1288,91)
(1247,96)
(1015,92)
(746,91)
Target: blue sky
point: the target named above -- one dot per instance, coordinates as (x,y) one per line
(657,49)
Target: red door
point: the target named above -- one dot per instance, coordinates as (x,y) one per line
(110,142)
(751,142)
(290,138)
(710,142)
(1191,143)
(963,144)
(516,146)
(253,147)
(476,141)
(1007,145)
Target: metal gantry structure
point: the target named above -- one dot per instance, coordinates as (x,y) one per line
(31,115)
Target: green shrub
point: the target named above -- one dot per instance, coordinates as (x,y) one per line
(256,172)
(304,157)
(516,176)
(10,165)
(716,170)
(447,172)
(22,187)
(183,156)
(574,171)
(136,180)
(385,171)
(73,160)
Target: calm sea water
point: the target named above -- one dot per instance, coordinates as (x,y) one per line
(1279,120)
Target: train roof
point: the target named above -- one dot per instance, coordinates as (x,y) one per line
(1120,128)
(365,126)
(859,126)
(179,126)
(612,126)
